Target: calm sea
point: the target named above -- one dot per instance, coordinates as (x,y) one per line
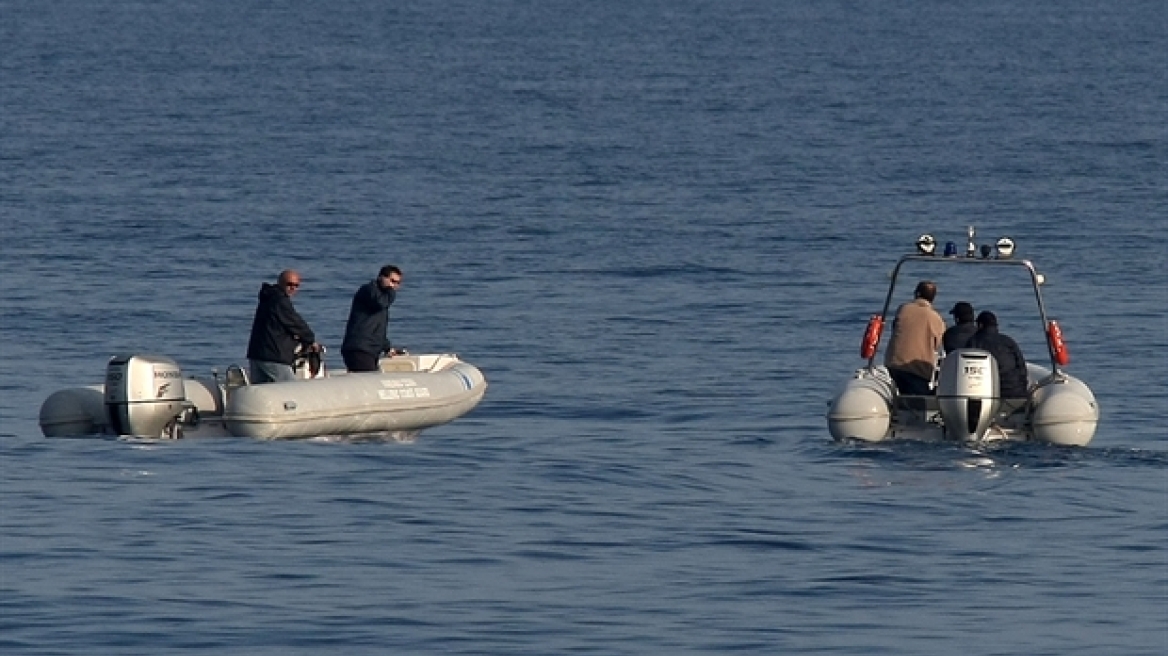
(658,227)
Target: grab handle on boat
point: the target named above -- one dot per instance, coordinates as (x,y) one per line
(871,337)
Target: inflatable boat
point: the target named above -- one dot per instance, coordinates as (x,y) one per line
(148,396)
(964,403)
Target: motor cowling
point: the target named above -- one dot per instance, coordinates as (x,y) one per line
(968,393)
(144,395)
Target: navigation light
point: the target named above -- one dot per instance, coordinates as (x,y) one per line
(926,245)
(1005,247)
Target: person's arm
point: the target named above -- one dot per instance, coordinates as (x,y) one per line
(372,298)
(1018,357)
(938,333)
(390,295)
(293,322)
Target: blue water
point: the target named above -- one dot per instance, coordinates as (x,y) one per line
(659,228)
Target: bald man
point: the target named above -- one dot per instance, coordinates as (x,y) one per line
(277,330)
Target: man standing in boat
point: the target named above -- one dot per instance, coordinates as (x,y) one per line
(916,335)
(366,336)
(277,331)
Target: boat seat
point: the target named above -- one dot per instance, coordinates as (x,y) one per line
(387,365)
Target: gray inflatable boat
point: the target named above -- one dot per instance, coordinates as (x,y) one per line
(148,396)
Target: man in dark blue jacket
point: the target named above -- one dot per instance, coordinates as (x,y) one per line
(1012,378)
(959,333)
(277,331)
(365,332)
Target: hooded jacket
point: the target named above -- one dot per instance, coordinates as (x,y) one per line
(365,331)
(956,336)
(1012,378)
(277,328)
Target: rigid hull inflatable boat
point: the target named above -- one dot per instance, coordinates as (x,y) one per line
(966,404)
(148,396)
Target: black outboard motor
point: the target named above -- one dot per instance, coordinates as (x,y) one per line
(144,396)
(967,393)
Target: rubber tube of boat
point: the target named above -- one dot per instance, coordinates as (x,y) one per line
(1058,347)
(872,337)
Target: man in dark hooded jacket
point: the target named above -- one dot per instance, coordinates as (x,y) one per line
(365,331)
(277,330)
(959,333)
(1012,379)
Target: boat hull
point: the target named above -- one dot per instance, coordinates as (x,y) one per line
(354,404)
(1060,409)
(410,394)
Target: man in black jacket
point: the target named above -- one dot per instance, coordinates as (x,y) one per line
(277,330)
(1012,379)
(959,333)
(365,331)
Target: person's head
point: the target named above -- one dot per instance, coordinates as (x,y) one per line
(926,289)
(962,312)
(289,281)
(987,319)
(389,276)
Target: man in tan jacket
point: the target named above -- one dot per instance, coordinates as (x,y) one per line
(916,337)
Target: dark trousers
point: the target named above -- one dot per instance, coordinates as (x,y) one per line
(360,361)
(909,383)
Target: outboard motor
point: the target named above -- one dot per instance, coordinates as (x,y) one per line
(967,393)
(144,396)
